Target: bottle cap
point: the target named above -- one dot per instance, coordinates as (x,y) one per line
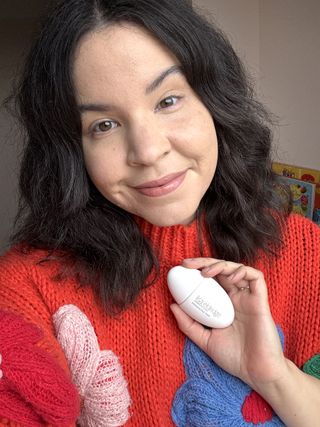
(182,282)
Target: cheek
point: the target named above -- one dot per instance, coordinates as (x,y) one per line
(201,139)
(101,168)
(198,126)
(207,148)
(208,144)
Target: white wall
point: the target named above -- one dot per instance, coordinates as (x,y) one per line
(239,20)
(290,75)
(279,40)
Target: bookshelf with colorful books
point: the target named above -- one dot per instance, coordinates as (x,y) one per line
(304,184)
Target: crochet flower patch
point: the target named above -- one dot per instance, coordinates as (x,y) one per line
(212,397)
(34,390)
(96,373)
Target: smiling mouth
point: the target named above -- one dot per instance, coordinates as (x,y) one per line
(162,186)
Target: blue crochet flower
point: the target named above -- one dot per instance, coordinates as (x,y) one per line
(212,397)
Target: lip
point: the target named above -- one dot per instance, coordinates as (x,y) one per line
(162,186)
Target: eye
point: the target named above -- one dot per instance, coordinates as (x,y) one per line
(168,102)
(104,126)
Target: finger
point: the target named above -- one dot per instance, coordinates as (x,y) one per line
(191,328)
(210,266)
(226,268)
(230,287)
(229,274)
(237,280)
(221,270)
(254,279)
(238,275)
(227,284)
(200,262)
(244,278)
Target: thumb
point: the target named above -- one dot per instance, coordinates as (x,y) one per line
(191,328)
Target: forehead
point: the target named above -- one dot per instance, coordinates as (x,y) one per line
(119,54)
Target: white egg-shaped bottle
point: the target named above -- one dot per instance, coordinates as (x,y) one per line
(202,298)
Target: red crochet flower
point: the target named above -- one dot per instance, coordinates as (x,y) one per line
(34,389)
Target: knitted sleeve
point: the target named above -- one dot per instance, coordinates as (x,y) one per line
(35,385)
(300,270)
(293,280)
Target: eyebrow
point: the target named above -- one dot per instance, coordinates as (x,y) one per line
(150,88)
(158,81)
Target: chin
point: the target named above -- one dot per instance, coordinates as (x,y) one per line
(169,220)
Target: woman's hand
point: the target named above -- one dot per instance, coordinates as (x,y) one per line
(250,348)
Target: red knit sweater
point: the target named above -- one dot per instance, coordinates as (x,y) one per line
(145,338)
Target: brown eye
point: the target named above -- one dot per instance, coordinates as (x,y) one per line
(104,126)
(168,102)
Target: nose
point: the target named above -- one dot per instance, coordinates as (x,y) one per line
(147,143)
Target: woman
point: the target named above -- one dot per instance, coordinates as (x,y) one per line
(146,149)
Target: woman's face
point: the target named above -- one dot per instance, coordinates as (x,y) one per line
(150,145)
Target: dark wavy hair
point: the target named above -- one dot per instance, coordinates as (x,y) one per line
(60,209)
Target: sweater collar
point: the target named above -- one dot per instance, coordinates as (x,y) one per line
(174,243)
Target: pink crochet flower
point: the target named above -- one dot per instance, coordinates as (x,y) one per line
(96,373)
(34,389)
